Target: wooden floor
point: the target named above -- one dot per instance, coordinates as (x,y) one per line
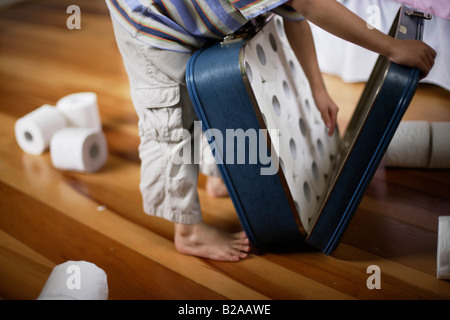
(48,216)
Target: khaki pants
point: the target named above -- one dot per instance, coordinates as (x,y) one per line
(161,100)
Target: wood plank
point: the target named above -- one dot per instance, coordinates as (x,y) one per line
(23,271)
(99,217)
(76,206)
(392,239)
(401,282)
(130,274)
(60,196)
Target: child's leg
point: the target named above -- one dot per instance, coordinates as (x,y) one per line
(216,187)
(168,187)
(214,183)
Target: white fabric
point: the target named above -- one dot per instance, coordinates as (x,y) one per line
(354,64)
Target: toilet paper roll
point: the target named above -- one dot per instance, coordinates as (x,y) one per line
(295,71)
(307,106)
(35,130)
(302,91)
(440,145)
(333,142)
(305,200)
(80,110)
(254,76)
(271,107)
(318,180)
(279,27)
(443,248)
(267,115)
(76,280)
(410,146)
(263,56)
(78,149)
(319,149)
(302,208)
(297,145)
(272,36)
(286,88)
(286,161)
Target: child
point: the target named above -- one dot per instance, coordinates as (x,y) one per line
(156,41)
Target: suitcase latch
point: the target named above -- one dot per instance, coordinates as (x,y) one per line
(232,38)
(418,14)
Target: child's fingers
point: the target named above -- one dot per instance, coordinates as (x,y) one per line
(430,56)
(329,116)
(414,53)
(427,62)
(328,110)
(333,111)
(326,117)
(333,118)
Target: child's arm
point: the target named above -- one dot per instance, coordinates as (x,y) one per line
(302,43)
(338,20)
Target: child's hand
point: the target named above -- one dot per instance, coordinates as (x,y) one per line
(413,53)
(327,108)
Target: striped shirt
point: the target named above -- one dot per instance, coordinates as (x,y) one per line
(185,25)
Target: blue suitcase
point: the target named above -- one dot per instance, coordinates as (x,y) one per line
(292,184)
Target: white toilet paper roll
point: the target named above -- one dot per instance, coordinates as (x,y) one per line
(34,131)
(297,146)
(443,248)
(273,105)
(316,164)
(333,142)
(306,104)
(440,145)
(318,180)
(287,161)
(253,74)
(295,71)
(305,200)
(79,149)
(80,110)
(279,27)
(286,88)
(263,56)
(322,152)
(410,146)
(76,280)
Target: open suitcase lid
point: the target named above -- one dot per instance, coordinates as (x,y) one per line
(378,113)
(322,179)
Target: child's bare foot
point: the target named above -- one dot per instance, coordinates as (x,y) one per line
(205,241)
(216,187)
